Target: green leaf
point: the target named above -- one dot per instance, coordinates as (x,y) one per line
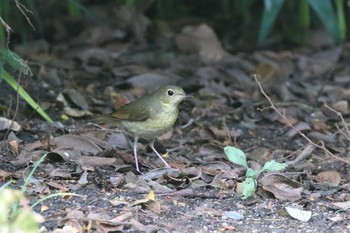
(74,8)
(236,156)
(341,18)
(13,83)
(248,188)
(1,71)
(271,10)
(129,3)
(324,10)
(252,173)
(273,166)
(15,61)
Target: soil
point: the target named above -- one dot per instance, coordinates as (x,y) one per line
(77,80)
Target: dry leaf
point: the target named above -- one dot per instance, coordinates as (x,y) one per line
(9,124)
(342,205)
(331,178)
(202,40)
(77,143)
(301,215)
(282,187)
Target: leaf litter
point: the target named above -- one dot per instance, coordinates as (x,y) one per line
(202,190)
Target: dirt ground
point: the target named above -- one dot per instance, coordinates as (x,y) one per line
(298,115)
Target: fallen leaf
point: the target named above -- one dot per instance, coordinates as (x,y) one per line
(151,81)
(282,187)
(62,173)
(5,174)
(301,215)
(342,205)
(43,208)
(83,178)
(341,106)
(300,126)
(77,143)
(118,140)
(331,178)
(233,215)
(14,147)
(9,124)
(77,98)
(202,40)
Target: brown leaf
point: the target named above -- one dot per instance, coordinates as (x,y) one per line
(154,206)
(14,147)
(267,70)
(341,106)
(95,161)
(57,186)
(202,40)
(77,143)
(159,172)
(301,126)
(77,98)
(342,205)
(62,173)
(151,81)
(331,178)
(5,174)
(118,140)
(323,61)
(9,124)
(282,187)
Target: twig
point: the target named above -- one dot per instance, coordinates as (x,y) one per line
(8,31)
(304,154)
(23,9)
(288,123)
(227,130)
(342,120)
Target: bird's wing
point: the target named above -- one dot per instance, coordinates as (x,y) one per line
(131,112)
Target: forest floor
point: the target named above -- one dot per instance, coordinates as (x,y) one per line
(290,106)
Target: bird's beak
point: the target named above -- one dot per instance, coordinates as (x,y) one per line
(187,96)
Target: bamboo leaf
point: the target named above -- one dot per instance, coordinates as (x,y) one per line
(13,83)
(271,10)
(324,10)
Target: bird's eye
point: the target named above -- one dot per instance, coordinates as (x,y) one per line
(170,92)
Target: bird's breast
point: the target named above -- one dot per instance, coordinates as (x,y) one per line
(154,126)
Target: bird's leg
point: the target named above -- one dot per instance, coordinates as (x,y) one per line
(135,154)
(155,151)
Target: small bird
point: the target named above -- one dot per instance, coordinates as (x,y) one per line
(150,116)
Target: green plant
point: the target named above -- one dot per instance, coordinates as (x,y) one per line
(129,3)
(16,63)
(333,21)
(74,8)
(249,185)
(26,220)
(15,214)
(4,14)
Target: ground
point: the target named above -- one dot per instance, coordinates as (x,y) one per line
(290,106)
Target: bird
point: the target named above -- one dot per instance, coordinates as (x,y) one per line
(149,117)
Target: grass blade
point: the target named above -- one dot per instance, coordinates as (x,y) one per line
(324,10)
(54,195)
(272,8)
(13,83)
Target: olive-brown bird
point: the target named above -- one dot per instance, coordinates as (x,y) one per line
(150,116)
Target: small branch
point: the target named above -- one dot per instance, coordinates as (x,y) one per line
(304,154)
(288,123)
(8,31)
(24,10)
(342,120)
